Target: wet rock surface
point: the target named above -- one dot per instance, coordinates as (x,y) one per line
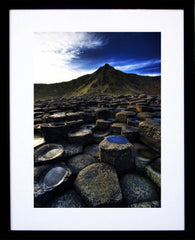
(97,151)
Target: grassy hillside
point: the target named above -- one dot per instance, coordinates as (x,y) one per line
(105,80)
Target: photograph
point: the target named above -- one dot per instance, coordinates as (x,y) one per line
(97,119)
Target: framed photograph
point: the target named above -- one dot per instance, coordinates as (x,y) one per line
(97,119)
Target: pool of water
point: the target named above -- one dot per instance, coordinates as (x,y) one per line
(135,120)
(157,119)
(51,153)
(117,139)
(54,176)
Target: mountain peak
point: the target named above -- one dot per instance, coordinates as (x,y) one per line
(105,68)
(106,65)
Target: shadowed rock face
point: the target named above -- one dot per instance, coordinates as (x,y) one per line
(98,185)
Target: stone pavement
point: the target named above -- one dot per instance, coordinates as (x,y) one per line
(98,151)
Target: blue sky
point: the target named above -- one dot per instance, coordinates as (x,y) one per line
(62,56)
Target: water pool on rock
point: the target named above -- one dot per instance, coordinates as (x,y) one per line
(157,119)
(54,176)
(135,120)
(47,153)
(117,139)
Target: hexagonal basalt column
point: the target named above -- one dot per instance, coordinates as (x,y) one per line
(123,115)
(117,151)
(50,179)
(71,149)
(143,108)
(130,133)
(68,199)
(48,153)
(73,116)
(154,172)
(152,204)
(54,131)
(133,122)
(98,136)
(116,128)
(102,113)
(98,185)
(93,150)
(57,117)
(78,162)
(136,188)
(82,136)
(150,134)
(102,124)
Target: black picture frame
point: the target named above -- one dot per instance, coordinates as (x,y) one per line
(189,71)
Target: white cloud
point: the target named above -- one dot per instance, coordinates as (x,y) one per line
(134,64)
(53,53)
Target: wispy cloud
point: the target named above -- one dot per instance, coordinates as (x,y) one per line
(135,65)
(54,51)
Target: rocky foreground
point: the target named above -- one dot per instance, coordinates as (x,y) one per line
(97,151)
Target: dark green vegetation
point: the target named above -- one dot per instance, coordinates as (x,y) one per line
(106,80)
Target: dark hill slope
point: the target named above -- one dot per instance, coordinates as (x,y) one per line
(106,80)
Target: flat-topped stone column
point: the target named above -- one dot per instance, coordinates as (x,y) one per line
(150,134)
(48,153)
(117,151)
(49,180)
(98,185)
